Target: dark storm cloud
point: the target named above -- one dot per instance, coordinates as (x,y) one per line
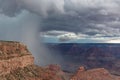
(40,7)
(10,7)
(89,17)
(90,23)
(97,20)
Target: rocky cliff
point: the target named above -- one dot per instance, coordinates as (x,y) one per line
(17,63)
(14,55)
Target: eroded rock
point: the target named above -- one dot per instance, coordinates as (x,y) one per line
(14,55)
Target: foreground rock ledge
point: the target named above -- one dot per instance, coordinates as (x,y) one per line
(17,63)
(13,55)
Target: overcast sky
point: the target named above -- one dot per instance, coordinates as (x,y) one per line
(80,21)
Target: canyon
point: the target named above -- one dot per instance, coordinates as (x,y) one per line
(17,63)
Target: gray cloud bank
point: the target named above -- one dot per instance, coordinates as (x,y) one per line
(90,17)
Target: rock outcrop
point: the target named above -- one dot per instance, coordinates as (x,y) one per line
(14,55)
(17,63)
(94,74)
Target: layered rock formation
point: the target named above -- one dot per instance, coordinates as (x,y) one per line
(14,55)
(93,55)
(17,63)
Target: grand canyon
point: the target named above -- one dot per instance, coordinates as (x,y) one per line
(17,63)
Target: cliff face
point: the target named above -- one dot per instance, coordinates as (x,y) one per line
(14,55)
(17,63)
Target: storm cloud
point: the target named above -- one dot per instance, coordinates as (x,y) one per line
(93,18)
(89,17)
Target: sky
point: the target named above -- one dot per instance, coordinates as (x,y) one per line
(60,21)
(35,22)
